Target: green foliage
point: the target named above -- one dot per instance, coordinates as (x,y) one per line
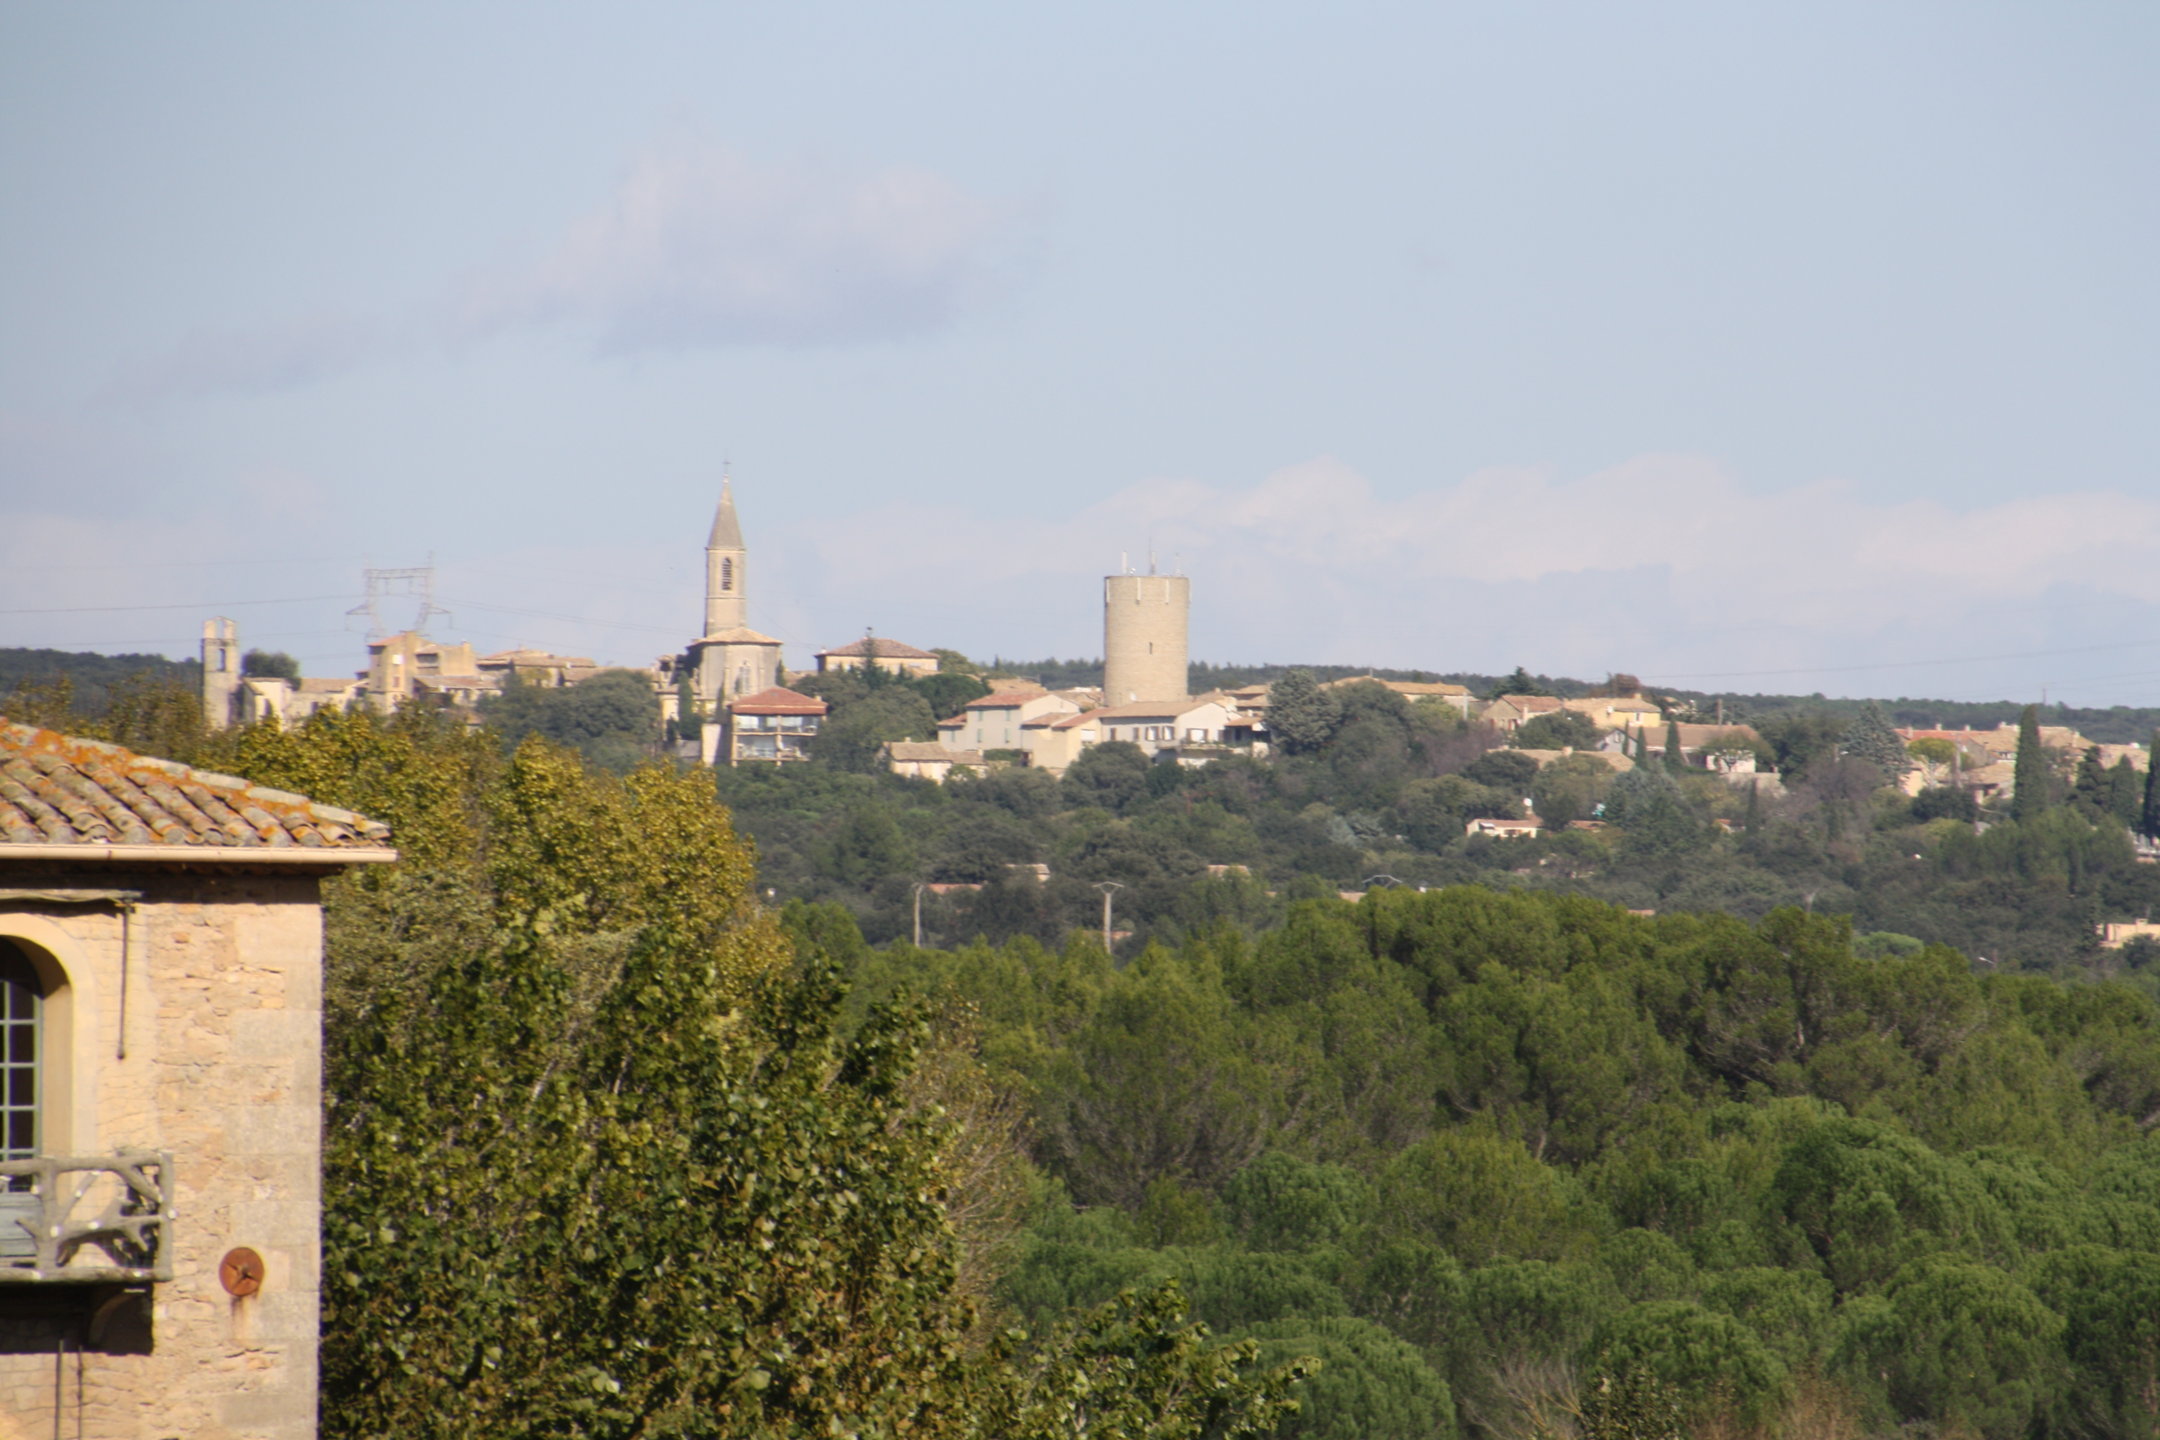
(1519,683)
(1301,716)
(2032,784)
(1280,1202)
(850,737)
(1634,1405)
(2149,813)
(1112,776)
(270,664)
(948,691)
(1560,730)
(2110,1304)
(609,1152)
(1532,1137)
(1710,1364)
(1571,788)
(1370,1385)
(1135,1368)
(611,718)
(67,690)
(1660,820)
(1873,739)
(1958,1344)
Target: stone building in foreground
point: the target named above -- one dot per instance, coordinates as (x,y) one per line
(160,1094)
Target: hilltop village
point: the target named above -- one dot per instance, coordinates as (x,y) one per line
(728,699)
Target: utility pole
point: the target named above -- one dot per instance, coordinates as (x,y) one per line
(1109,890)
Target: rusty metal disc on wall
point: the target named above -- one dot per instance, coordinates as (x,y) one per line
(241,1272)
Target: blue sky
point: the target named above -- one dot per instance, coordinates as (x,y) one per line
(1764,347)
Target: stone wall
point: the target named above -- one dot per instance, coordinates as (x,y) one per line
(221,1018)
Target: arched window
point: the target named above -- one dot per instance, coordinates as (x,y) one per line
(22,1002)
(727,573)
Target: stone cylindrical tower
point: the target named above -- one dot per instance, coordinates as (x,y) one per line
(1144,624)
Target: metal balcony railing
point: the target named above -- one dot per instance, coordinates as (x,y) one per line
(86,1218)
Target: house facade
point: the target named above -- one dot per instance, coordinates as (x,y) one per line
(1000,721)
(773,726)
(1510,712)
(160,1180)
(1176,728)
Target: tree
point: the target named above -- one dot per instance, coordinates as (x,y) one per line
(1369,1385)
(1959,1344)
(1709,1363)
(851,736)
(1633,1405)
(1872,738)
(611,718)
(1936,756)
(949,691)
(1648,804)
(1675,752)
(2091,788)
(2126,793)
(2149,819)
(1518,683)
(1560,730)
(2032,785)
(270,665)
(1571,788)
(1301,716)
(1508,770)
(1112,776)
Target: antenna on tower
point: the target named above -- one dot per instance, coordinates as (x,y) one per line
(415,582)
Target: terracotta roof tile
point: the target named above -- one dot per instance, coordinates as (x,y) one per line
(63,790)
(881,647)
(1006,699)
(777,701)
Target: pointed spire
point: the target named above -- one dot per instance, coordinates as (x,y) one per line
(726,530)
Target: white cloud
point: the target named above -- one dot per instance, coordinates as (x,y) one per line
(702,247)
(1662,564)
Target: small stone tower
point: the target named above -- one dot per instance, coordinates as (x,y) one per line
(724,557)
(1145,618)
(220,671)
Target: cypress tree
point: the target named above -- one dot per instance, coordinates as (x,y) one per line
(2029,779)
(1754,805)
(1674,760)
(2150,824)
(2091,788)
(2126,793)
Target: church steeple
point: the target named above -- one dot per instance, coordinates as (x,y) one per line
(725,607)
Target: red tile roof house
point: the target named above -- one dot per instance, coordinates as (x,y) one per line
(161,1117)
(773,725)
